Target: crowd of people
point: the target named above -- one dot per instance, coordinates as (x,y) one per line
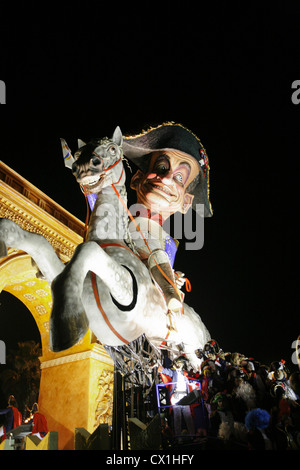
(236,401)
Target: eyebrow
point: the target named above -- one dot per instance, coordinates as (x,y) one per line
(187,167)
(186,164)
(162,157)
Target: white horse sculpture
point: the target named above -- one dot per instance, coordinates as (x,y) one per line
(105,286)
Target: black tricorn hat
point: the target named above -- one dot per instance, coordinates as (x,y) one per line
(173,136)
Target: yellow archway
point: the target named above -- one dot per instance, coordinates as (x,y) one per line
(76,385)
(18,277)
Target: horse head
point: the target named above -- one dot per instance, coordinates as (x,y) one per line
(95,164)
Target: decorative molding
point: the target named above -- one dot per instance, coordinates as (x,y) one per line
(104,400)
(32,210)
(98,354)
(10,211)
(35,196)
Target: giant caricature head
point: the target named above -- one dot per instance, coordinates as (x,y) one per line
(173,170)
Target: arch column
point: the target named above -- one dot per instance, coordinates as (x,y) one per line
(77,391)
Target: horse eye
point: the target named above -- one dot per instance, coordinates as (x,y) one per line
(112,150)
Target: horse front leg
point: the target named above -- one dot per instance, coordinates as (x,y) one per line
(69,322)
(35,245)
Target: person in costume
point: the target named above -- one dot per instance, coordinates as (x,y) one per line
(12,417)
(12,403)
(172,176)
(39,423)
(177,391)
(257,422)
(221,418)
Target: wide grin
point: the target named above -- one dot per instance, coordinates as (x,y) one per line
(162,187)
(91,182)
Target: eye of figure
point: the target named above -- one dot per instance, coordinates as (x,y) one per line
(112,149)
(179,178)
(161,168)
(162,165)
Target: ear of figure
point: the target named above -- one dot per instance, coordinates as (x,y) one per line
(80,143)
(117,137)
(67,155)
(187,202)
(135,179)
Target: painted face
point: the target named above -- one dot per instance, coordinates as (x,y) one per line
(163,188)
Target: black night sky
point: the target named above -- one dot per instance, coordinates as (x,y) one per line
(224,71)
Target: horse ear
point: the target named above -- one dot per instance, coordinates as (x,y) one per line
(80,143)
(117,137)
(68,157)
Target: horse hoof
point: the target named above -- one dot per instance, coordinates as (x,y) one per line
(68,320)
(66,329)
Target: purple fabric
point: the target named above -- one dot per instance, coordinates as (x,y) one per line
(170,249)
(91,200)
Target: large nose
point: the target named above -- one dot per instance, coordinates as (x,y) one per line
(95,161)
(165,176)
(86,166)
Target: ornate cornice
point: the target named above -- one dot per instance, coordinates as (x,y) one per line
(98,352)
(34,211)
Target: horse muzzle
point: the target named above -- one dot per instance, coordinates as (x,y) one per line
(92,183)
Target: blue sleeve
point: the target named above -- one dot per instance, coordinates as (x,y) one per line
(9,418)
(168,372)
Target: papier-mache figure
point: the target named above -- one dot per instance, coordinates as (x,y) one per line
(172,176)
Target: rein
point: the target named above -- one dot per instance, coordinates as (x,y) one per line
(85,195)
